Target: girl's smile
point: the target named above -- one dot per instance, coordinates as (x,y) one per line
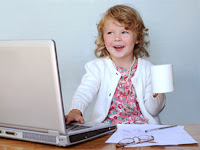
(118,47)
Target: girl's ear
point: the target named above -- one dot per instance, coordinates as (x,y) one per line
(136,42)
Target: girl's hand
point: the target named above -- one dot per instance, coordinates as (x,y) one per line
(74,115)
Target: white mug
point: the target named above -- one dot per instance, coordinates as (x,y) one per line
(162,78)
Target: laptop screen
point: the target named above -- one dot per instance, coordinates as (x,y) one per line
(30,95)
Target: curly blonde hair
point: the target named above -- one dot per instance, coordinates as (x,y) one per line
(131,20)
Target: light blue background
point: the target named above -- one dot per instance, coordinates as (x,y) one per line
(174,28)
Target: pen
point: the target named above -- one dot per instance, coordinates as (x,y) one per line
(160,128)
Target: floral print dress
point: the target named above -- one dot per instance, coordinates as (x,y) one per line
(124,107)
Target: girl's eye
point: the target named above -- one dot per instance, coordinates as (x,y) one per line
(110,32)
(124,32)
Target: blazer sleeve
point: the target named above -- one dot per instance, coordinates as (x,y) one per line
(153,105)
(88,88)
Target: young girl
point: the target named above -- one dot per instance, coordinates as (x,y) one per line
(119,76)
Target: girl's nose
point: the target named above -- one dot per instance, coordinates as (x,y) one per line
(117,37)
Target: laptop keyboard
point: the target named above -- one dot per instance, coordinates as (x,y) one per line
(74,127)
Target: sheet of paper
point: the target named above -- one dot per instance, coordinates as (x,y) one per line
(169,136)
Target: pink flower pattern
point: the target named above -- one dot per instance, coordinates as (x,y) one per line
(124,107)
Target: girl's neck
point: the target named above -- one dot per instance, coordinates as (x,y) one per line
(127,63)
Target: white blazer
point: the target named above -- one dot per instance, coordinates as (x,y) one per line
(102,78)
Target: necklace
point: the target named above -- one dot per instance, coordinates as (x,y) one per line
(129,74)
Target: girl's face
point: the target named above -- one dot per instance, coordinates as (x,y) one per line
(118,41)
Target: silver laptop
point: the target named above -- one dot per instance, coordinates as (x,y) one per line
(31,106)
